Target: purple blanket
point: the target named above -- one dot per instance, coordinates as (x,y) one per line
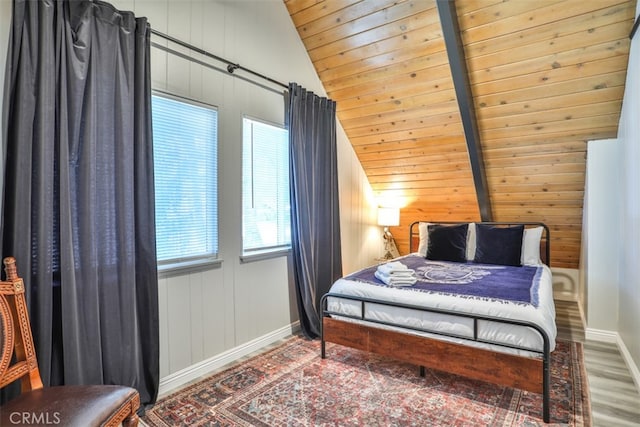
(471,280)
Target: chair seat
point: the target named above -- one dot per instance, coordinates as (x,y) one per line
(69,406)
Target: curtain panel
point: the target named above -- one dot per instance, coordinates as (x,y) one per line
(78,211)
(315,210)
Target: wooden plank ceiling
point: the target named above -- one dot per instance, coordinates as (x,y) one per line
(546,76)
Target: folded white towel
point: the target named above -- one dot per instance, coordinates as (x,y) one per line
(395,268)
(395,280)
(401,273)
(407,273)
(395,265)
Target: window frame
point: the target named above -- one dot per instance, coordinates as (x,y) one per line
(188,264)
(262,253)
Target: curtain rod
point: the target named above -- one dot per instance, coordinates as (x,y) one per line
(231,66)
(213,67)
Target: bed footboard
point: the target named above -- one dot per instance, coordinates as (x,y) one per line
(525,373)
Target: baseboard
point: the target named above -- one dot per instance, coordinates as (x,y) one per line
(173,381)
(633,368)
(601,335)
(614,337)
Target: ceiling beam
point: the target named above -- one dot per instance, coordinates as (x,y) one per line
(635,28)
(458,64)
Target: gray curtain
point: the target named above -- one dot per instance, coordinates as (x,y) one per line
(315,214)
(78,198)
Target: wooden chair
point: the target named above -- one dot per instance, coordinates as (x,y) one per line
(69,405)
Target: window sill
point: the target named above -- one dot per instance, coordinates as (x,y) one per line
(185,267)
(262,255)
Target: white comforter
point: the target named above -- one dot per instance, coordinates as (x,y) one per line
(521,336)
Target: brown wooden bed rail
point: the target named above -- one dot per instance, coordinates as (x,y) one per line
(525,373)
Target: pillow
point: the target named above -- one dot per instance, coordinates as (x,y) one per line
(499,245)
(447,243)
(424,238)
(531,246)
(471,241)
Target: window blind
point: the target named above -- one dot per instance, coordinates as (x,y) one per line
(266,209)
(186,174)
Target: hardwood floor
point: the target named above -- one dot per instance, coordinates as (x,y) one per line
(615,400)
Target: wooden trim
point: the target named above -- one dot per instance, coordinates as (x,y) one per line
(497,368)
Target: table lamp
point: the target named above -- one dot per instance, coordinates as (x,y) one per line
(388,217)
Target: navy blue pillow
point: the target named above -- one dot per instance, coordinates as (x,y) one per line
(447,243)
(499,245)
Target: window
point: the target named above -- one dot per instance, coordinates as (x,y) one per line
(186,180)
(266,216)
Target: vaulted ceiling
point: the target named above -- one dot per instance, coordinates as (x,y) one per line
(545,76)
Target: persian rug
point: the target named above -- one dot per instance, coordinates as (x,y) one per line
(290,385)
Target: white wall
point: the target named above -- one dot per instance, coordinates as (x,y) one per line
(209,317)
(629,221)
(583,292)
(612,235)
(602,211)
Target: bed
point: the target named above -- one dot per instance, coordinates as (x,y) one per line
(482,306)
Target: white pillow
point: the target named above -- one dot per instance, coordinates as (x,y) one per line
(424,238)
(531,246)
(471,241)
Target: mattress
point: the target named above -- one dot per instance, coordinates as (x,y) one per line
(539,311)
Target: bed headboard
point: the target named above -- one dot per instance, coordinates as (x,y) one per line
(545,254)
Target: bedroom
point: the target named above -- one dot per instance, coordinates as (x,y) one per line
(252,303)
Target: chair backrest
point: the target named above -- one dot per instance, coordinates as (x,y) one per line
(16,342)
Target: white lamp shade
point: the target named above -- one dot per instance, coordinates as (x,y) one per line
(388,217)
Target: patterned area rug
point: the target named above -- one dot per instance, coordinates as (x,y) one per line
(290,385)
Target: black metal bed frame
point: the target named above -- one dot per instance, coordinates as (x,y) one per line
(545,353)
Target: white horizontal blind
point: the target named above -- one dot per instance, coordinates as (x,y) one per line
(266,208)
(185,139)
